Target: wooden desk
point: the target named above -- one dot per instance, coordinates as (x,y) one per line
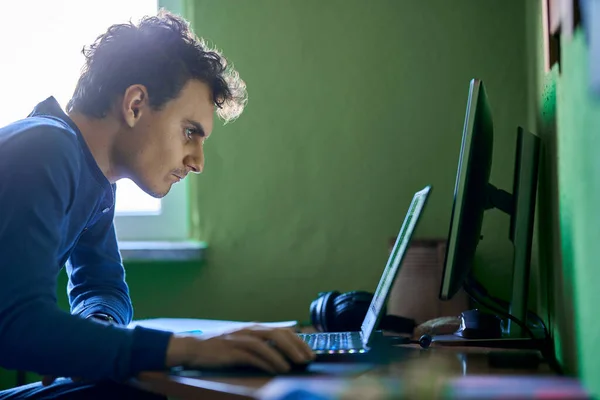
(435,362)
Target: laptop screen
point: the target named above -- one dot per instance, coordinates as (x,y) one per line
(393,265)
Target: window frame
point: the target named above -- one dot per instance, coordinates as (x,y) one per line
(171,224)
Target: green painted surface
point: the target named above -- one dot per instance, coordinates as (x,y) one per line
(554,301)
(578,121)
(353,106)
(568,118)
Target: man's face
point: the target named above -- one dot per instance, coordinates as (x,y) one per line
(159,148)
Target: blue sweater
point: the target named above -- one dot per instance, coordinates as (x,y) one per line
(57,209)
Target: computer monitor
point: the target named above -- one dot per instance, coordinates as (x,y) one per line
(474,194)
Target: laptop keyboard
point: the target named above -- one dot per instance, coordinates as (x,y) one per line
(334,342)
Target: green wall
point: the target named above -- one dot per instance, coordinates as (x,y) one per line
(555,289)
(353,106)
(568,117)
(578,121)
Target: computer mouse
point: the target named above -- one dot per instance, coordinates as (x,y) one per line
(475,324)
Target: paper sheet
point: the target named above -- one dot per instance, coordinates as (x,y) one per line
(204,326)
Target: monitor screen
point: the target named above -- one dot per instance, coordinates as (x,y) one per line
(393,265)
(470,191)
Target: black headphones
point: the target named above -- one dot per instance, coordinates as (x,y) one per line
(335,312)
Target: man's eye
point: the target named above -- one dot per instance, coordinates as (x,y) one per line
(189,132)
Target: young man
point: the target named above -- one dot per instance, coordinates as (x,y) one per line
(142,109)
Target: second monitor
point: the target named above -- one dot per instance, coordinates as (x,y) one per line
(473,195)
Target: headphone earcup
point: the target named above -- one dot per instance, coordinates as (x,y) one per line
(350,310)
(321,310)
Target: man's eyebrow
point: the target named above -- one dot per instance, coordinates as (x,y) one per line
(197,126)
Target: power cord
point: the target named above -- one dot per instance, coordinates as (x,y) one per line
(546,348)
(478,290)
(478,299)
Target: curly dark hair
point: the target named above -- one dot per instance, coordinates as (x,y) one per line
(161,53)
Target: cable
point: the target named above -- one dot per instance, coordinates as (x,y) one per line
(474,285)
(546,347)
(472,293)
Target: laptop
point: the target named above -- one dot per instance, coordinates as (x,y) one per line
(369,343)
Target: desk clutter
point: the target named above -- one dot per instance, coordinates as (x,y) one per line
(465,388)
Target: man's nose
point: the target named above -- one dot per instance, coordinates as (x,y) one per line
(197,164)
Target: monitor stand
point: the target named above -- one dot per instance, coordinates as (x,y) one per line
(520,206)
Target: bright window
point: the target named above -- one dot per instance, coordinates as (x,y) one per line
(41,43)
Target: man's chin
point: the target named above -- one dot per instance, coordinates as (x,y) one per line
(161,194)
(158,193)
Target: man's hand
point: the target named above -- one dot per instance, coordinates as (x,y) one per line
(268,349)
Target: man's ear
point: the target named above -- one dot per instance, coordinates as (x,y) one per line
(135,102)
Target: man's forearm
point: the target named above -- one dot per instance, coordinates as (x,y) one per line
(97,276)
